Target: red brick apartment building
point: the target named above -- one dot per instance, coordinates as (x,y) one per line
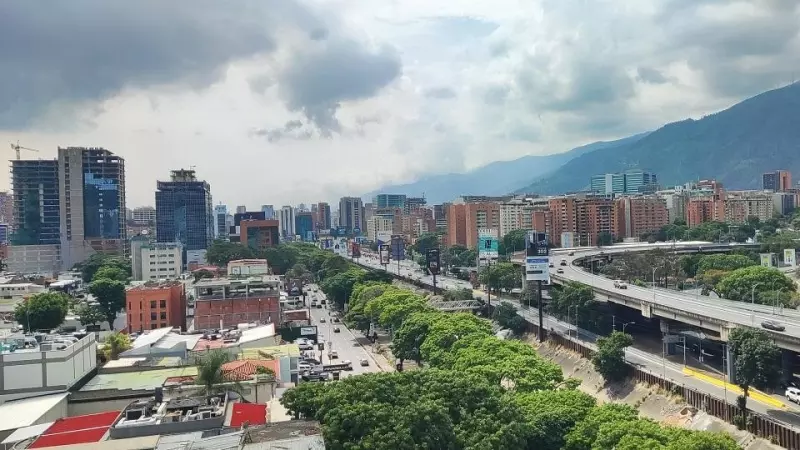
(465,219)
(639,215)
(224,302)
(156,305)
(586,216)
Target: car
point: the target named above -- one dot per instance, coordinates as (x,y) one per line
(571,253)
(313,303)
(319,305)
(619,284)
(322,320)
(793,394)
(364,362)
(563,262)
(560,270)
(333,354)
(335,320)
(551,265)
(773,325)
(336,329)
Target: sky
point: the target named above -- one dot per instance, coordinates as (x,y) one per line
(290,101)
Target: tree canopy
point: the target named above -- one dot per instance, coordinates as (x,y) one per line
(45,311)
(738,284)
(609,360)
(110,296)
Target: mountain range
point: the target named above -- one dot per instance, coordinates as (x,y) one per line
(497,178)
(734,146)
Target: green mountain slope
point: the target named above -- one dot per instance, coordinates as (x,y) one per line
(734,146)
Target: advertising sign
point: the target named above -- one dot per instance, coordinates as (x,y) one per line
(488,246)
(536,268)
(383,252)
(341,247)
(537,244)
(308,331)
(790,257)
(567,239)
(356,250)
(766,259)
(384,237)
(432,261)
(398,248)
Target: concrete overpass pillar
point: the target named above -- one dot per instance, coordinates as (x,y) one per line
(730,364)
(787,366)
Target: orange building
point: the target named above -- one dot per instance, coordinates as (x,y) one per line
(585,216)
(708,205)
(225,302)
(639,215)
(259,234)
(480,216)
(542,220)
(156,305)
(456,225)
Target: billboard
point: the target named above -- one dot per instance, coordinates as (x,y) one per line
(790,257)
(398,247)
(536,268)
(340,247)
(383,254)
(567,239)
(355,249)
(766,259)
(432,261)
(384,237)
(537,244)
(488,246)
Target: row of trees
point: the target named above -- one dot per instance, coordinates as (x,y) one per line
(475,391)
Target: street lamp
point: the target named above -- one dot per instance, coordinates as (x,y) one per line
(576,317)
(777,296)
(626,324)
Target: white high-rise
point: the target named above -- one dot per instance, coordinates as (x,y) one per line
(286,222)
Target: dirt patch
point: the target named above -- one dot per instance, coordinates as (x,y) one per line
(652,402)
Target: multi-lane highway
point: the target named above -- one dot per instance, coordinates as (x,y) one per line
(787,412)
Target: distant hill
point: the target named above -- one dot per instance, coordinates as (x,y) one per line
(497,178)
(734,146)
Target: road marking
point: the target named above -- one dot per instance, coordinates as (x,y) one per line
(753,393)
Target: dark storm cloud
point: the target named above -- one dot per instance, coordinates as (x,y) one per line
(324,74)
(81,52)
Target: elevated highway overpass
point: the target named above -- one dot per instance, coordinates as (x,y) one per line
(716,316)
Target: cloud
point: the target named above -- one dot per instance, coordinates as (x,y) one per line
(293,129)
(440,93)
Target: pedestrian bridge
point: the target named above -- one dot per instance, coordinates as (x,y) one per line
(455,305)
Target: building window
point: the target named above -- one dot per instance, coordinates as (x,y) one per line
(152,304)
(153,316)
(163,303)
(153,326)
(163,315)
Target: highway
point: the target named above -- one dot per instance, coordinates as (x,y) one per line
(346,343)
(787,412)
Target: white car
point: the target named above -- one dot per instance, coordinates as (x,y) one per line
(793,394)
(619,284)
(333,354)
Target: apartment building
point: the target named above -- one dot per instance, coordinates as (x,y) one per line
(456,224)
(480,216)
(636,216)
(739,205)
(226,302)
(706,203)
(379,224)
(777,181)
(259,234)
(585,216)
(156,305)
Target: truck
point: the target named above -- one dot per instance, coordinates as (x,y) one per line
(345,365)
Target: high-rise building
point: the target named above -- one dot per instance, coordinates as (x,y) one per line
(286,222)
(184,211)
(465,219)
(706,203)
(628,182)
(351,214)
(92,203)
(637,216)
(324,216)
(259,234)
(6,208)
(241,209)
(304,225)
(739,205)
(36,210)
(381,201)
(413,204)
(379,224)
(585,216)
(778,181)
(269,212)
(220,222)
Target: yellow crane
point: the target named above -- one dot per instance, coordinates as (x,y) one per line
(18,147)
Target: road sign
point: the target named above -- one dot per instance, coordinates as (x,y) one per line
(536,269)
(432,260)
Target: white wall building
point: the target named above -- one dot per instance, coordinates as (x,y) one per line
(162,261)
(43,369)
(286,222)
(377,225)
(516,214)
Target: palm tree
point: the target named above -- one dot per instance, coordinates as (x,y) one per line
(116,343)
(209,370)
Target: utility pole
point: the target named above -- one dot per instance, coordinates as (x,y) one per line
(541,309)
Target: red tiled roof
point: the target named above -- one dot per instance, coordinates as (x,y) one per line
(76,430)
(244,369)
(208,344)
(252,413)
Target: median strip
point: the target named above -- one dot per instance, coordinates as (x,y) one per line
(753,393)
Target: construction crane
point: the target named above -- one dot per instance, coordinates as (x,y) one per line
(18,147)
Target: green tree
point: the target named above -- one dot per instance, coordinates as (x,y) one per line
(553,414)
(411,335)
(115,344)
(281,258)
(221,252)
(605,238)
(514,241)
(111,272)
(451,295)
(334,266)
(209,370)
(723,262)
(445,331)
(505,314)
(339,287)
(110,296)
(756,359)
(738,284)
(584,434)
(89,315)
(609,359)
(571,295)
(529,297)
(499,276)
(300,271)
(92,264)
(425,242)
(45,311)
(202,273)
(394,306)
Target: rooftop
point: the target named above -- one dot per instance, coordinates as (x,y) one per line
(76,430)
(234,337)
(142,413)
(145,379)
(26,412)
(155,285)
(291,350)
(161,339)
(40,342)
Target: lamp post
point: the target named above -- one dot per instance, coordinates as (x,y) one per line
(753,303)
(626,324)
(654,283)
(777,296)
(576,317)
